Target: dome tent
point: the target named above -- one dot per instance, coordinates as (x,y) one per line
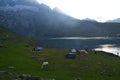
(38,48)
(70,55)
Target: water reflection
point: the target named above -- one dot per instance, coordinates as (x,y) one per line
(106,44)
(111,48)
(86,38)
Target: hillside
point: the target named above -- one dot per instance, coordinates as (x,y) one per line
(17,57)
(14,52)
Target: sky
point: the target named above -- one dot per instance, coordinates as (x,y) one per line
(100,10)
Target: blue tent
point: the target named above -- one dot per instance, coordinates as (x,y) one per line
(38,49)
(70,55)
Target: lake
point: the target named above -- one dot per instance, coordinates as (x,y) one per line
(107,44)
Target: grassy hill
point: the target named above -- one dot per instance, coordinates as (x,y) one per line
(17,57)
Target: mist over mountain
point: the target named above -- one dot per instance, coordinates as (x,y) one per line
(31,19)
(115,20)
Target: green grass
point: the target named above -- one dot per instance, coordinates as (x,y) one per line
(17,52)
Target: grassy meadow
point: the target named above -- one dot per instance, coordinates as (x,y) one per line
(16,51)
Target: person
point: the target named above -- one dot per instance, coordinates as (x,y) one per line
(118,53)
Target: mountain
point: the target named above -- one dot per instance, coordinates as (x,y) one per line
(12,3)
(115,20)
(88,19)
(31,19)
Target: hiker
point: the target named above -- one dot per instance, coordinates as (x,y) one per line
(1,46)
(95,52)
(118,53)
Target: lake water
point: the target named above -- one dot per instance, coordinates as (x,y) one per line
(107,44)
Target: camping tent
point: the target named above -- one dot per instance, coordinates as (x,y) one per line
(83,51)
(73,50)
(70,55)
(38,49)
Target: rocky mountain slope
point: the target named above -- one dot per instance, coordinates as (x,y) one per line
(38,20)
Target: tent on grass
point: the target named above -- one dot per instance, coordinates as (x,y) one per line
(38,49)
(73,50)
(83,52)
(70,55)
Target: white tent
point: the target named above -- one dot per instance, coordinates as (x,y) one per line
(83,51)
(73,50)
